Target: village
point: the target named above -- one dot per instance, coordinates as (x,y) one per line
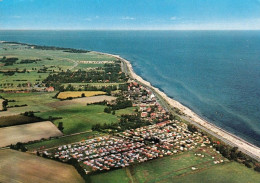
(163,137)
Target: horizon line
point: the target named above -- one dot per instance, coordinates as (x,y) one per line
(130,29)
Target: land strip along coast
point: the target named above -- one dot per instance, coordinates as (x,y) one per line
(192,117)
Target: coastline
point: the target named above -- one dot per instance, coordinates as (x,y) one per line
(220,133)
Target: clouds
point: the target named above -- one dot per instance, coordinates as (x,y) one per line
(128,18)
(16,16)
(135,14)
(91,18)
(173,18)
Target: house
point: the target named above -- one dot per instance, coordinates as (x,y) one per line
(49,89)
(144,114)
(143,107)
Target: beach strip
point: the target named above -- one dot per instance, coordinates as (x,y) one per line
(229,138)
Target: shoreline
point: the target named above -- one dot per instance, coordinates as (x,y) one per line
(229,138)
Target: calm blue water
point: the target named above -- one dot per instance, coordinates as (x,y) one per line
(215,73)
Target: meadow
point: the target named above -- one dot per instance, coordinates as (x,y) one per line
(78,118)
(37,101)
(178,168)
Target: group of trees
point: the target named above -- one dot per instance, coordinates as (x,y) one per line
(131,121)
(121,103)
(18,146)
(29,61)
(232,153)
(9,61)
(192,128)
(10,73)
(107,89)
(127,121)
(29,113)
(109,74)
(109,110)
(4,105)
(71,50)
(60,126)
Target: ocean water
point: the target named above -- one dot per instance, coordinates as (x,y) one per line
(215,73)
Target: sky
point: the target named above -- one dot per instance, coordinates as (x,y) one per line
(130,14)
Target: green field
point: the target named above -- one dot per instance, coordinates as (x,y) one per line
(114,176)
(53,60)
(178,168)
(37,101)
(61,141)
(228,173)
(77,118)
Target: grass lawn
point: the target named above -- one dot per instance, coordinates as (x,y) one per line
(77,118)
(36,101)
(169,167)
(115,176)
(232,172)
(61,141)
(177,168)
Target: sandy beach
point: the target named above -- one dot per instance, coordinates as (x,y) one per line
(227,137)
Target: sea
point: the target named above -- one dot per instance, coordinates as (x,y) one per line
(214,73)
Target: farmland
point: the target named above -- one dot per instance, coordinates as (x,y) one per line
(1,104)
(82,101)
(34,65)
(16,120)
(74,94)
(27,132)
(30,168)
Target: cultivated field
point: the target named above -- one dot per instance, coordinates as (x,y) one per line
(82,101)
(23,167)
(1,104)
(74,94)
(27,132)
